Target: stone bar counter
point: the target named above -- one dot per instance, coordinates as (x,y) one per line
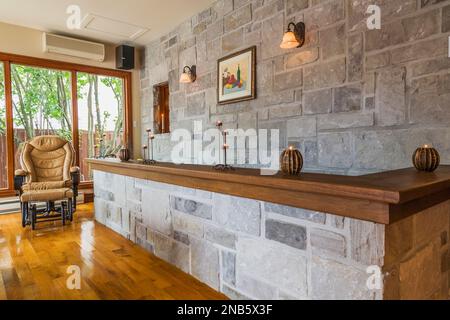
(316,236)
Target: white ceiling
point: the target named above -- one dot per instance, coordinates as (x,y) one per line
(122,21)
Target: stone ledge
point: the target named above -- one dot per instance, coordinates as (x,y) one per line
(382,197)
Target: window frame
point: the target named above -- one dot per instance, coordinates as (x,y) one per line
(8,59)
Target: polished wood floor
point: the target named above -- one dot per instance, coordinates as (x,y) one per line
(33,264)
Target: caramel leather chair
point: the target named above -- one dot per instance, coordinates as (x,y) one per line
(47,175)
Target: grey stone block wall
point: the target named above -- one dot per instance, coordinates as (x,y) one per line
(353,100)
(245,248)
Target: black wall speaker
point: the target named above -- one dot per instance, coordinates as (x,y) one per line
(124,57)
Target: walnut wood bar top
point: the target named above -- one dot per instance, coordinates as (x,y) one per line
(381,197)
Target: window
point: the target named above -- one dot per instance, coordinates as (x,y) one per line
(86,105)
(100,117)
(161,108)
(3,141)
(42,104)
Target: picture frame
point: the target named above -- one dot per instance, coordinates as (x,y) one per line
(236,77)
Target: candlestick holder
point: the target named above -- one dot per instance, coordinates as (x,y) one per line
(223,166)
(144,151)
(150,138)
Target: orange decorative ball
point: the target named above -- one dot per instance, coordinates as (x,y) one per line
(426,158)
(124,154)
(291,162)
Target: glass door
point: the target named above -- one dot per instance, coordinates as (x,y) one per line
(101,117)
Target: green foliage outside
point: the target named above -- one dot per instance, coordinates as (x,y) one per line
(41,101)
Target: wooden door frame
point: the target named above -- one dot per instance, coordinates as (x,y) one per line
(7,59)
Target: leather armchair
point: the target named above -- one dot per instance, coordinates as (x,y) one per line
(47,175)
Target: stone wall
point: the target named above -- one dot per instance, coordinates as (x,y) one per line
(353,100)
(244,248)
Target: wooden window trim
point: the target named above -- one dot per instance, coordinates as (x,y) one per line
(7,59)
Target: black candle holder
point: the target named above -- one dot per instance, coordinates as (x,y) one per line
(150,137)
(223,166)
(144,151)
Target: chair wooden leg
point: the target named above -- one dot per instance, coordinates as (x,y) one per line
(33,216)
(63,212)
(71,209)
(24,208)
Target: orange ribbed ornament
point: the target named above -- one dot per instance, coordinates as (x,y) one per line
(124,154)
(426,158)
(291,162)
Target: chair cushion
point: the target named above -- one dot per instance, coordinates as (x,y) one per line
(35,186)
(47,158)
(47,195)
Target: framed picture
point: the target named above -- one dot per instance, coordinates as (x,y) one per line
(236,75)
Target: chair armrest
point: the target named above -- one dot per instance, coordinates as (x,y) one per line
(75,175)
(19,179)
(21,173)
(74,169)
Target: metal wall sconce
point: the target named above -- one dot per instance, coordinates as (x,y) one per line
(189,74)
(294,37)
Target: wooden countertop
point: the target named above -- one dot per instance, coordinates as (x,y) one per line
(381,197)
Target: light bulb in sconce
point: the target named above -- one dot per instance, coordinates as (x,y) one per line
(294,37)
(427,146)
(185,78)
(291,148)
(188,75)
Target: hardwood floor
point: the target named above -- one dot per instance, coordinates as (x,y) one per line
(33,264)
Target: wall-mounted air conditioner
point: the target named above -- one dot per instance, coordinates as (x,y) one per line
(53,43)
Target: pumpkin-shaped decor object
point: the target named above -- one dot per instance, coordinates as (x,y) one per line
(426,158)
(124,154)
(291,161)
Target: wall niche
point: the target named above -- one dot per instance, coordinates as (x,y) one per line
(161,110)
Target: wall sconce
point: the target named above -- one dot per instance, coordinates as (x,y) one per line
(294,37)
(189,75)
